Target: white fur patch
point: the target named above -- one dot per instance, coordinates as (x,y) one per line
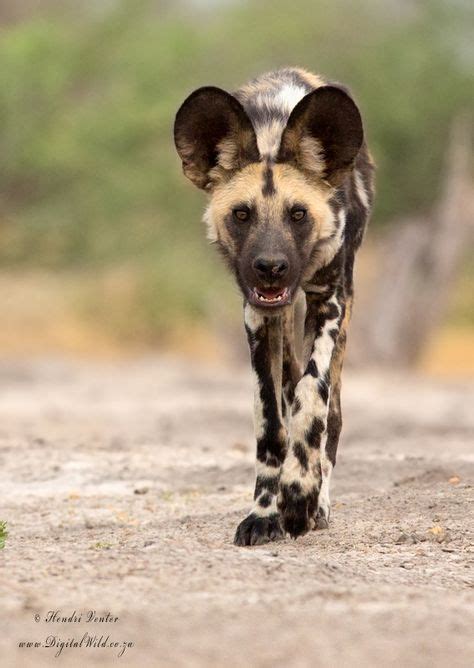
(259,422)
(324,501)
(211,231)
(265,471)
(269,138)
(260,511)
(253,318)
(361,191)
(288,97)
(283,100)
(324,345)
(330,247)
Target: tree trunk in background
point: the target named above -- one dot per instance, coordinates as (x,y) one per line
(419,261)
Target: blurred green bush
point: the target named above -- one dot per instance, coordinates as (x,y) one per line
(90,178)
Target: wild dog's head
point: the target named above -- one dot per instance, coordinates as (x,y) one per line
(269,215)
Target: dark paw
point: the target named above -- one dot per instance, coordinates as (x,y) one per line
(321,521)
(296,508)
(254,530)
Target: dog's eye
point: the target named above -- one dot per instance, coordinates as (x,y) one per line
(298,214)
(241,214)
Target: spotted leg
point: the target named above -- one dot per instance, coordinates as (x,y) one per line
(307,467)
(334,424)
(265,336)
(292,340)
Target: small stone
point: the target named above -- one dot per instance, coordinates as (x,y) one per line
(407,539)
(407,565)
(438,534)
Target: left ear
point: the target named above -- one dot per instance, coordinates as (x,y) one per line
(213,136)
(324,134)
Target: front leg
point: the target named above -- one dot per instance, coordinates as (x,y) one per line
(265,337)
(300,480)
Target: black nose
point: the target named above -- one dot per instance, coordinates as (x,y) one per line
(270,268)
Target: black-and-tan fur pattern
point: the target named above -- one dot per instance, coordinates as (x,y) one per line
(291,186)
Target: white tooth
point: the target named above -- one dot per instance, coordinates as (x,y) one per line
(270,300)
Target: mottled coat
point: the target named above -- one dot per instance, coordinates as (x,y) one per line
(291,185)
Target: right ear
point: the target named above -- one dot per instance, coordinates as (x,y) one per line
(213,135)
(324,134)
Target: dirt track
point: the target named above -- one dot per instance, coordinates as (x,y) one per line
(122,486)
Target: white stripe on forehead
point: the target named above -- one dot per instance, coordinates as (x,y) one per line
(282,101)
(289,96)
(269,138)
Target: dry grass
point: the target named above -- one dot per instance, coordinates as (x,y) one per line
(88,316)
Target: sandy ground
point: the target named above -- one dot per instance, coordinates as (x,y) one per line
(122,485)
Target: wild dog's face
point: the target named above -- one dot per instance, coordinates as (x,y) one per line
(267,220)
(269,215)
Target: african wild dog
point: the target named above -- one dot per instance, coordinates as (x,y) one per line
(291,184)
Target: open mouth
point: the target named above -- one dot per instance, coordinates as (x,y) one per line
(271,296)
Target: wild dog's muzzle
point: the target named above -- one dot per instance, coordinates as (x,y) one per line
(270,273)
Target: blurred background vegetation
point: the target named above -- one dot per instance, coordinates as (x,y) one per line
(99,230)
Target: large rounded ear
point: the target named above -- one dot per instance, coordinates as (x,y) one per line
(324,134)
(213,135)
